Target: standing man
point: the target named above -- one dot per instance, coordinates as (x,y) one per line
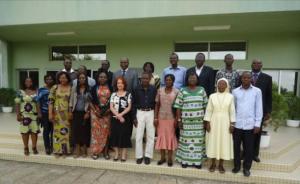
(229,73)
(249,112)
(105,64)
(176,70)
(130,75)
(264,82)
(68,67)
(206,77)
(143,100)
(83,69)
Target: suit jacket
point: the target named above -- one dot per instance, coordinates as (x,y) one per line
(131,78)
(206,78)
(264,83)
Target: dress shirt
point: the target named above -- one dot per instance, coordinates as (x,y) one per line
(143,98)
(198,70)
(179,74)
(248,105)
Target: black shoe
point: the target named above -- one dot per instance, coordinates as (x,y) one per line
(235,170)
(48,151)
(147,160)
(246,172)
(184,165)
(139,160)
(170,163)
(256,159)
(161,162)
(198,166)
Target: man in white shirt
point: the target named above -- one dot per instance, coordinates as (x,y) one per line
(249,112)
(68,67)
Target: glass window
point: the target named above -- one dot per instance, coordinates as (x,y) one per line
(188,51)
(92,52)
(58,52)
(219,49)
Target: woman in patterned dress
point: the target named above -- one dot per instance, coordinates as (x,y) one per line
(27,111)
(59,114)
(190,103)
(101,117)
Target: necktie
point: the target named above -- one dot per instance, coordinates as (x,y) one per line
(123,73)
(255,76)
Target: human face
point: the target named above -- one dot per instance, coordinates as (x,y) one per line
(145,79)
(124,63)
(148,68)
(199,60)
(28,83)
(105,65)
(49,81)
(192,80)
(246,79)
(102,78)
(174,60)
(256,65)
(68,64)
(169,82)
(120,85)
(222,85)
(229,60)
(63,80)
(81,79)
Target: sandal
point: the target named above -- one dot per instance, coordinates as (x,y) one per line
(35,151)
(221,169)
(212,168)
(95,157)
(26,151)
(170,163)
(106,156)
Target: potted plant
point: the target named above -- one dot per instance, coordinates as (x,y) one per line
(7,96)
(294,110)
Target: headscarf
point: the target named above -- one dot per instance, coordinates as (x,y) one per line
(228,86)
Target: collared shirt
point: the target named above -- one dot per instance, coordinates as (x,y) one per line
(198,70)
(91,82)
(233,77)
(42,99)
(143,98)
(248,105)
(72,73)
(179,74)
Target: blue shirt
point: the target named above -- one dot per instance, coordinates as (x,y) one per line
(42,99)
(248,106)
(179,74)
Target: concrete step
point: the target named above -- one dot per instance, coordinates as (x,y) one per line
(257,176)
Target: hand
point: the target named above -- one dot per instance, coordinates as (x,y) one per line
(70,116)
(121,119)
(208,127)
(175,124)
(256,130)
(135,123)
(267,117)
(180,125)
(19,118)
(155,123)
(231,129)
(51,118)
(86,116)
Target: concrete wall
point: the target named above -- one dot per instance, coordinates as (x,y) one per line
(277,52)
(51,11)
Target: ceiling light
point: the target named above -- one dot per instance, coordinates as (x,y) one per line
(61,33)
(212,28)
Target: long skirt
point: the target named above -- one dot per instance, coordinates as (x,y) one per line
(81,129)
(100,129)
(61,133)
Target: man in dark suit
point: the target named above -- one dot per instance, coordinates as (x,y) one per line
(130,75)
(264,83)
(206,77)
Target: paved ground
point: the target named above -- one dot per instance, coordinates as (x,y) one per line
(12,172)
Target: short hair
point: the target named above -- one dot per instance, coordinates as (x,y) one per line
(174,54)
(123,81)
(171,76)
(67,57)
(151,66)
(60,74)
(246,72)
(106,61)
(200,53)
(192,74)
(146,73)
(48,75)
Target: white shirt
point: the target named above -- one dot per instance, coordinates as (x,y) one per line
(198,70)
(248,105)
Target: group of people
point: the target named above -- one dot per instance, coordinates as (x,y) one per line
(193,112)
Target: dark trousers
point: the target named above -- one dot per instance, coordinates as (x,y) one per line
(246,138)
(47,131)
(257,141)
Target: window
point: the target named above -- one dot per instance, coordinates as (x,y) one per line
(78,52)
(211,50)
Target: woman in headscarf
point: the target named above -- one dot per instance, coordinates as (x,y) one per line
(220,118)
